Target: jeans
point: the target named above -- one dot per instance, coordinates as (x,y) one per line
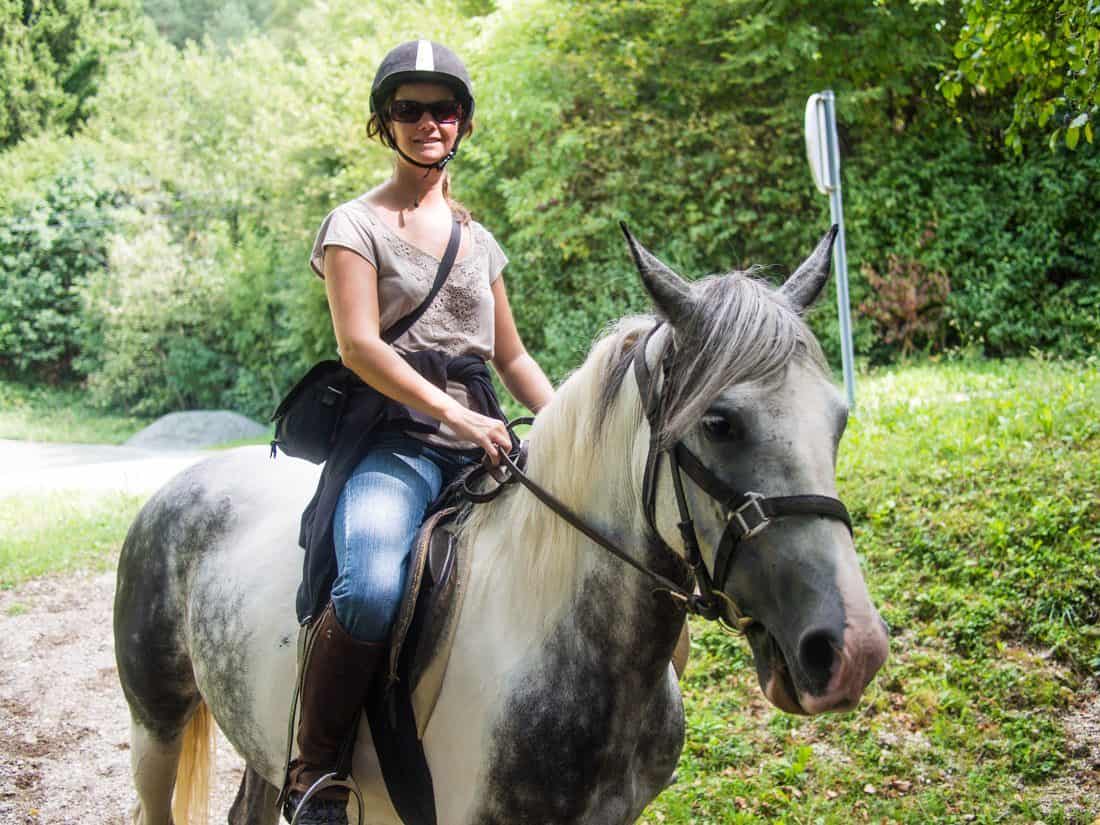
(377,516)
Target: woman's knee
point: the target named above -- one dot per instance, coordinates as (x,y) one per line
(366,595)
(365,613)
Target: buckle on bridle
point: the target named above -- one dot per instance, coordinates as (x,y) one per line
(750,516)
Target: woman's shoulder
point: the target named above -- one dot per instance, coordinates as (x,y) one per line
(351,225)
(357,210)
(482,236)
(492,251)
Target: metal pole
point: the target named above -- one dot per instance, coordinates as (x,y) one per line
(840,250)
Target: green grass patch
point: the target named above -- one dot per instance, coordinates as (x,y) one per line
(975,491)
(62,532)
(60,414)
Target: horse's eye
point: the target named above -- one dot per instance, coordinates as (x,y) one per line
(719,428)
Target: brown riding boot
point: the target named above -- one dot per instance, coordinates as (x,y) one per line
(337,678)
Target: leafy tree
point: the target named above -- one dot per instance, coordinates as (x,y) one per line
(52,58)
(48,249)
(1044,54)
(223,21)
(686,120)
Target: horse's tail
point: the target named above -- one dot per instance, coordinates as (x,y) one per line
(190,802)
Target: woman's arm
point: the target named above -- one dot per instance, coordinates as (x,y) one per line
(351,284)
(518,370)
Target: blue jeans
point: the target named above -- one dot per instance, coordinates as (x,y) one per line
(380,509)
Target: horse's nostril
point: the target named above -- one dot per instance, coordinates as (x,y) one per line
(816,653)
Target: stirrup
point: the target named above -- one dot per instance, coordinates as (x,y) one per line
(331,780)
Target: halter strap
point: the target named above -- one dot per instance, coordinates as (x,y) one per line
(774,507)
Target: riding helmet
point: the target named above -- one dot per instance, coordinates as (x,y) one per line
(422,61)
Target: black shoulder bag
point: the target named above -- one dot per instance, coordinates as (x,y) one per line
(308,417)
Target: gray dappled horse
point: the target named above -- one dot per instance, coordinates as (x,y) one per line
(559,704)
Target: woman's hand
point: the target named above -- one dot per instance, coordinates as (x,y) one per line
(487,433)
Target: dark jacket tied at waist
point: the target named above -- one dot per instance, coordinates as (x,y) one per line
(367,410)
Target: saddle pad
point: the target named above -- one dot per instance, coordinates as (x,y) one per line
(437,619)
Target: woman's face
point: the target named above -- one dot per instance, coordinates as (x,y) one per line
(427,140)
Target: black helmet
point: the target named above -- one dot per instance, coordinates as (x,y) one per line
(422,61)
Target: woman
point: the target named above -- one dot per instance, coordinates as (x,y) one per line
(378,255)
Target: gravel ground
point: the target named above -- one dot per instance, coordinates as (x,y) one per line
(64,727)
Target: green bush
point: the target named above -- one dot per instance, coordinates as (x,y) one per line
(178,323)
(48,249)
(1013,235)
(153,321)
(52,57)
(684,121)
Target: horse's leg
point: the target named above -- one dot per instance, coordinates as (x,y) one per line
(255,802)
(153,763)
(168,716)
(163,752)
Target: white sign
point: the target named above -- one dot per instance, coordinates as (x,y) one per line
(817,144)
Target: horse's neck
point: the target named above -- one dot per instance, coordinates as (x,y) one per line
(536,578)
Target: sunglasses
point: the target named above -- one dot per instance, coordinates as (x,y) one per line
(410,111)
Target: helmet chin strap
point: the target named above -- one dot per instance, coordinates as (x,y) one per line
(439,164)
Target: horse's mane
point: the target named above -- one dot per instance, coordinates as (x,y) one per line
(742,330)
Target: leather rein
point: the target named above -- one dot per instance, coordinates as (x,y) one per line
(747,513)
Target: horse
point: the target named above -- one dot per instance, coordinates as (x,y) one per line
(559,704)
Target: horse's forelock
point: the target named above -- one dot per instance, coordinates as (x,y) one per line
(741,331)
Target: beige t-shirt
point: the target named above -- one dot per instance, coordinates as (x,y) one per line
(460,319)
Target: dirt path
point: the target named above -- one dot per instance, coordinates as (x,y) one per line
(29,467)
(64,727)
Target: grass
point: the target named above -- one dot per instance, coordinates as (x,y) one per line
(59,533)
(975,490)
(60,414)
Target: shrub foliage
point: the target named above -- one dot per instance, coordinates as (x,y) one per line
(48,249)
(685,121)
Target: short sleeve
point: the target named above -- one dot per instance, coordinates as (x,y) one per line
(497,259)
(342,227)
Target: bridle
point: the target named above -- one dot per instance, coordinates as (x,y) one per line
(747,513)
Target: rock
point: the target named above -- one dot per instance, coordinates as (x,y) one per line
(196,429)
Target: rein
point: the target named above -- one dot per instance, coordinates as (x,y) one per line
(594,533)
(747,513)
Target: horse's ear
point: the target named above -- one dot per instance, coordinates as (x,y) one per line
(803,287)
(671,293)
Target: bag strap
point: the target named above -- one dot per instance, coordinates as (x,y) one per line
(403,325)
